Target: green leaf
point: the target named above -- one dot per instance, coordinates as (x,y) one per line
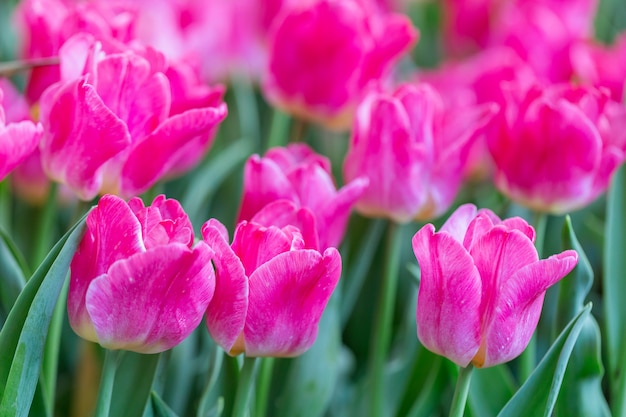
(539,393)
(159,408)
(581,393)
(614,288)
(23,336)
(490,390)
(133,383)
(13,272)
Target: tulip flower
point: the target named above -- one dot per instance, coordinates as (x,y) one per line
(412,150)
(17,141)
(136,281)
(117,124)
(270,289)
(297,174)
(557,149)
(325,54)
(602,66)
(482,286)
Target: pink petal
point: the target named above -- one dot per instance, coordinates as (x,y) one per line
(448,304)
(113,233)
(17,142)
(155,155)
(153,300)
(458,222)
(519,306)
(163,222)
(282,213)
(226,314)
(263,183)
(255,244)
(287,298)
(81,135)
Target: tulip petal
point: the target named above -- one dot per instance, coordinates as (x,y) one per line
(17,142)
(458,222)
(287,298)
(448,318)
(153,300)
(163,222)
(519,306)
(264,182)
(113,233)
(283,213)
(226,314)
(158,153)
(81,135)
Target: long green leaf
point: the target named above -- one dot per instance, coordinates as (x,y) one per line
(159,408)
(23,336)
(539,393)
(490,390)
(614,288)
(133,383)
(581,394)
(12,273)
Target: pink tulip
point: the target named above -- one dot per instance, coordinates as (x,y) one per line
(299,175)
(17,140)
(557,149)
(44,25)
(602,66)
(136,281)
(482,286)
(117,124)
(270,290)
(412,150)
(325,54)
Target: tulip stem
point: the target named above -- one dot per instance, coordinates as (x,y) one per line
(461,391)
(263,386)
(46,224)
(244,387)
(279,130)
(384,319)
(111,360)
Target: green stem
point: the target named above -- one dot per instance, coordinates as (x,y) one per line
(540,223)
(461,391)
(111,360)
(244,387)
(44,239)
(5,206)
(263,386)
(279,129)
(247,109)
(384,319)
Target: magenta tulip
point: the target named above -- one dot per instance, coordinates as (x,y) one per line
(270,290)
(482,286)
(299,175)
(117,123)
(325,54)
(17,141)
(136,281)
(412,150)
(557,149)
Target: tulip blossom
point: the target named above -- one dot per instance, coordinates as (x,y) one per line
(117,122)
(556,150)
(17,140)
(299,175)
(482,286)
(602,66)
(270,289)
(325,54)
(137,282)
(412,150)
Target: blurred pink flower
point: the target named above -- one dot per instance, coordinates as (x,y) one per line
(44,25)
(557,149)
(136,282)
(490,76)
(482,286)
(117,123)
(602,66)
(412,151)
(303,177)
(17,139)
(325,54)
(270,290)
